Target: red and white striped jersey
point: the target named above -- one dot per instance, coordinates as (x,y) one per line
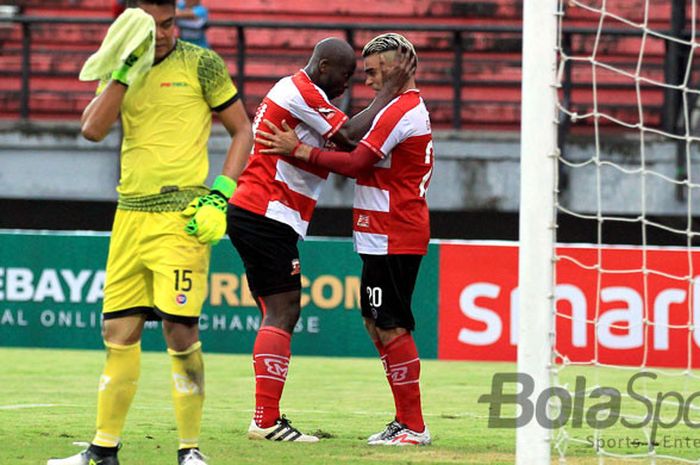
(390,214)
(284,188)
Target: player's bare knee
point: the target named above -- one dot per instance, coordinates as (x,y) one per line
(285,320)
(180,336)
(388,335)
(123,331)
(282,310)
(371,328)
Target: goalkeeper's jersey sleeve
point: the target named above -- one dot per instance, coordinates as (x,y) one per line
(166,116)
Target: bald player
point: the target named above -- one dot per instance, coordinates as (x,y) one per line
(272,207)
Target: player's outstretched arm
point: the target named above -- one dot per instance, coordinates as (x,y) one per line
(395,79)
(284,141)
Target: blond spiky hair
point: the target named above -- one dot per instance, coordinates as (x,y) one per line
(388,42)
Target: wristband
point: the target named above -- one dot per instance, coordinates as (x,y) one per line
(119,75)
(224,185)
(296,147)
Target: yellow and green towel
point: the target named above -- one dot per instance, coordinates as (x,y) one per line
(124,36)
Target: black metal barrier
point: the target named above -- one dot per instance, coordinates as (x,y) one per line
(457,33)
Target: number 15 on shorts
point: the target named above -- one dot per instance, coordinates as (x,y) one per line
(183,280)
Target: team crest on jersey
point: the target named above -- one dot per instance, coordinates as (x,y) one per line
(296,267)
(363,221)
(181,299)
(327,113)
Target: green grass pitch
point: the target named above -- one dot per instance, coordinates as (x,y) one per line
(47,401)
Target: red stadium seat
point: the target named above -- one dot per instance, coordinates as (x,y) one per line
(491,61)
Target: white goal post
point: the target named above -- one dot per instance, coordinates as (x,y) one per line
(618,318)
(537,180)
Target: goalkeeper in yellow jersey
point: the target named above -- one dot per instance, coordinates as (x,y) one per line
(166,219)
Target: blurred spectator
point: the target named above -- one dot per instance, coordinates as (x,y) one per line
(192,20)
(118,7)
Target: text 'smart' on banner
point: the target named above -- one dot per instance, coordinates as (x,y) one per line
(623,316)
(51,288)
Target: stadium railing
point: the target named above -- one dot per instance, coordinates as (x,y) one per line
(241,27)
(456,83)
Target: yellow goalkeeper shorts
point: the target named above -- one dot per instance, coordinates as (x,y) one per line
(155,268)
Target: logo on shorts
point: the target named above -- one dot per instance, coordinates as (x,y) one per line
(296,267)
(181,299)
(363,221)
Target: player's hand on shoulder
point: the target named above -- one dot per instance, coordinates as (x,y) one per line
(279,141)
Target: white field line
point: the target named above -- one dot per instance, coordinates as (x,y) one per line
(248,411)
(23,406)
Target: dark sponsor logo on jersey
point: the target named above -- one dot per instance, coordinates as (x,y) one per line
(173,84)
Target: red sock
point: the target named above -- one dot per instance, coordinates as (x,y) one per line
(382,356)
(404,370)
(270,359)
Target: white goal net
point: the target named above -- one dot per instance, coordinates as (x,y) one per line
(610,326)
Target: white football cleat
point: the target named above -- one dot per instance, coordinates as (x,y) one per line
(391,427)
(192,457)
(282,430)
(404,437)
(86,457)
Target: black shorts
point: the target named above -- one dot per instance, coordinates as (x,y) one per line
(386,289)
(268,249)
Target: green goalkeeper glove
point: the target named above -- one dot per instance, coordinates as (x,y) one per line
(121,75)
(208,212)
